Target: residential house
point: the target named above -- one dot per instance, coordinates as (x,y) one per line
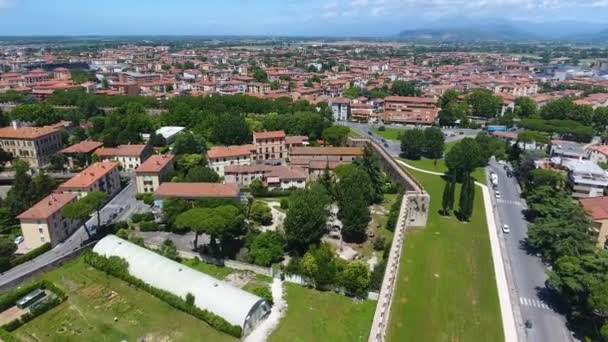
(195,191)
(101,176)
(221,156)
(129,156)
(410,110)
(272,176)
(597,209)
(151,173)
(586,177)
(270,146)
(81,152)
(34,145)
(340,108)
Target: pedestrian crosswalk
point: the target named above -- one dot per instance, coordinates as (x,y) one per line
(535,303)
(502,201)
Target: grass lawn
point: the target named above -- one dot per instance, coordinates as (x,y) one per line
(215,271)
(389,133)
(446,289)
(439,166)
(94,299)
(323,316)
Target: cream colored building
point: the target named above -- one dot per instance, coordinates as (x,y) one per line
(129,156)
(597,209)
(153,172)
(221,156)
(270,146)
(35,145)
(100,176)
(43,222)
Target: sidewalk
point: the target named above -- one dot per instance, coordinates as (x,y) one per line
(506,308)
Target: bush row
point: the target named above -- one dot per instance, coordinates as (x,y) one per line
(5,336)
(393,214)
(31,254)
(119,268)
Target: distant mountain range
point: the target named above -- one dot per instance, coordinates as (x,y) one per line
(511,31)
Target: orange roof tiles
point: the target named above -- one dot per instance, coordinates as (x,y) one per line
(47,206)
(410,99)
(230,151)
(82,147)
(324,151)
(26,133)
(198,190)
(156,163)
(269,135)
(121,150)
(90,175)
(596,207)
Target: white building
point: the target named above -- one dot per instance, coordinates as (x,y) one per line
(236,306)
(221,156)
(587,178)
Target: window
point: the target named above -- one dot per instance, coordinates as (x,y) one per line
(40,230)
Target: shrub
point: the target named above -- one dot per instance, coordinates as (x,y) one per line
(123,233)
(140,196)
(121,225)
(393,214)
(148,226)
(31,254)
(261,213)
(284,203)
(149,199)
(382,128)
(5,336)
(190,299)
(379,243)
(264,292)
(119,268)
(136,218)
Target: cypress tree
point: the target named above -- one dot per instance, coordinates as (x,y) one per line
(467,198)
(448,197)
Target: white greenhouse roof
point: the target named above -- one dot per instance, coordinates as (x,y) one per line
(219,297)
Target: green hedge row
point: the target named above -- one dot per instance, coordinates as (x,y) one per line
(9,299)
(393,214)
(31,254)
(119,268)
(5,336)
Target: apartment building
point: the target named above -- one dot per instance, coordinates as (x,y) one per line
(597,210)
(586,177)
(43,222)
(151,173)
(316,159)
(273,176)
(81,152)
(195,191)
(270,146)
(101,176)
(221,156)
(32,144)
(129,156)
(340,108)
(410,110)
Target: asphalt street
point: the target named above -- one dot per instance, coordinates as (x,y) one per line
(125,200)
(527,270)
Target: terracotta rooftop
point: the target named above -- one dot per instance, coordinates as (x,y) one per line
(269,135)
(82,147)
(603,149)
(47,206)
(323,151)
(197,190)
(230,151)
(121,150)
(90,175)
(596,207)
(10,132)
(155,163)
(295,139)
(410,99)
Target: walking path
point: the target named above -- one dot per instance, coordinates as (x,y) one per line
(506,308)
(263,331)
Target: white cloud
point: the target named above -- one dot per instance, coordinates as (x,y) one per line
(8,3)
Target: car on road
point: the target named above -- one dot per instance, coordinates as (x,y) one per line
(370,133)
(18,240)
(497,194)
(506,229)
(385,145)
(461,133)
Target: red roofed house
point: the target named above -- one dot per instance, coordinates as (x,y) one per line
(101,176)
(81,151)
(273,176)
(597,209)
(32,144)
(151,173)
(408,109)
(270,145)
(43,222)
(598,153)
(129,156)
(195,191)
(221,156)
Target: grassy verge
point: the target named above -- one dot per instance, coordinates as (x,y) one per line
(439,166)
(389,133)
(446,288)
(215,271)
(94,299)
(323,316)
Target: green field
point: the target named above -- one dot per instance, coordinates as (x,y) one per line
(323,316)
(388,133)
(439,166)
(215,271)
(446,289)
(94,299)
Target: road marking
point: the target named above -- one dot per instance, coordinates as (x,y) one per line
(535,303)
(501,201)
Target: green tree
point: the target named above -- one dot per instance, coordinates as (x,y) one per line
(352,192)
(187,143)
(370,164)
(259,75)
(95,201)
(323,269)
(405,88)
(21,196)
(525,107)
(447,201)
(266,249)
(7,252)
(201,174)
(484,103)
(336,135)
(171,209)
(355,278)
(351,93)
(260,212)
(463,158)
(449,96)
(306,219)
(230,129)
(257,188)
(434,143)
(79,211)
(412,144)
(467,199)
(452,112)
(222,223)
(490,146)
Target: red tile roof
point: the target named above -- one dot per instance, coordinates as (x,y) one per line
(230,151)
(596,207)
(26,132)
(197,190)
(90,175)
(155,163)
(410,99)
(48,206)
(82,147)
(269,135)
(324,151)
(121,150)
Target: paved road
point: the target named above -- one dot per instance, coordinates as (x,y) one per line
(125,199)
(527,270)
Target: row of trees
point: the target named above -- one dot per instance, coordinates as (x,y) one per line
(479,102)
(428,143)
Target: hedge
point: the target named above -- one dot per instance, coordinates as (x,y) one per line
(393,214)
(119,268)
(5,336)
(8,300)
(34,253)
(148,226)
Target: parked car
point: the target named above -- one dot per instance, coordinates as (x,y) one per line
(506,229)
(385,145)
(18,240)
(497,194)
(370,133)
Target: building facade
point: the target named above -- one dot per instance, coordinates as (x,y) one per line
(410,110)
(153,172)
(221,156)
(100,176)
(35,145)
(270,146)
(130,157)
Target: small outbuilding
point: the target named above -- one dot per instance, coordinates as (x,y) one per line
(236,306)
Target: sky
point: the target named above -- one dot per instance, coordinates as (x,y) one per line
(280,17)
